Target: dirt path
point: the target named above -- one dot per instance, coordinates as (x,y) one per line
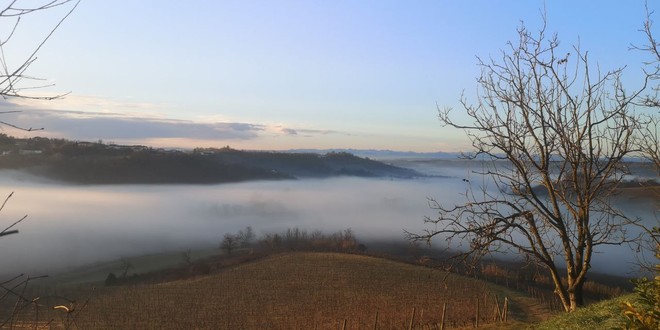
(525,311)
(529,310)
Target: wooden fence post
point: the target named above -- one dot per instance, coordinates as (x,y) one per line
(412,319)
(444,312)
(498,314)
(476,317)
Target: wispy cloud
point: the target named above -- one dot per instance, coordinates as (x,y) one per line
(306,132)
(154,131)
(92,126)
(91,103)
(289,131)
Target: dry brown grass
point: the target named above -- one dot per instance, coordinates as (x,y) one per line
(296,291)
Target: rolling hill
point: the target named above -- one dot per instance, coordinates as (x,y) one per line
(99,163)
(302,290)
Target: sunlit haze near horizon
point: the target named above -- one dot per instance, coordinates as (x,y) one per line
(277,75)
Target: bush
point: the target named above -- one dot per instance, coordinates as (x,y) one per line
(645,313)
(111,279)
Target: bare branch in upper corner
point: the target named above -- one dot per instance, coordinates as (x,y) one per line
(14,79)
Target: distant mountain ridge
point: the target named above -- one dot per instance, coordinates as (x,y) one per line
(385,154)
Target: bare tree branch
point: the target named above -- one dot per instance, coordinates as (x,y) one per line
(8,231)
(12,85)
(11,77)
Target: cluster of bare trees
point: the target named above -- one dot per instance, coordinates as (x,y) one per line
(553,133)
(292,239)
(242,239)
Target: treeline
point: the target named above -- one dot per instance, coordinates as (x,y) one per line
(100,163)
(294,239)
(240,247)
(310,164)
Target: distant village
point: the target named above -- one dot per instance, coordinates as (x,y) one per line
(40,145)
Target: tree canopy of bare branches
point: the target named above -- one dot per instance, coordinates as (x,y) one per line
(553,131)
(650,143)
(14,76)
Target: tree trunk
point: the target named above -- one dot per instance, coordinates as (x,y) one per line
(573,302)
(575,297)
(579,293)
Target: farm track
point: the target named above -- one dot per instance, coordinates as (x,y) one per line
(525,313)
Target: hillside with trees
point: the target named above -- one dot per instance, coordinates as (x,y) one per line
(99,163)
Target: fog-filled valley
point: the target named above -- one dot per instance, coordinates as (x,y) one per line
(76,224)
(72,225)
(329,165)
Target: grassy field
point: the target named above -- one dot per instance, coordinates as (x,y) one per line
(603,315)
(299,291)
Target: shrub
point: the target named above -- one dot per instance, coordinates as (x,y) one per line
(645,313)
(111,279)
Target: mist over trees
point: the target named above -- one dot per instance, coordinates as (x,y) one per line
(563,128)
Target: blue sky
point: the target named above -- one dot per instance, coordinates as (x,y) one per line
(288,74)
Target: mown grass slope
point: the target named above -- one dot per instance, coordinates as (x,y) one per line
(603,315)
(298,290)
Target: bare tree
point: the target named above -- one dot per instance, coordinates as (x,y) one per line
(246,236)
(650,133)
(126,265)
(650,142)
(552,134)
(229,243)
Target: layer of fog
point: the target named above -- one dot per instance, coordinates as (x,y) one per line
(73,225)
(70,225)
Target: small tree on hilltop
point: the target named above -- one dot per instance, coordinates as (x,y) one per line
(229,243)
(246,236)
(552,133)
(126,265)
